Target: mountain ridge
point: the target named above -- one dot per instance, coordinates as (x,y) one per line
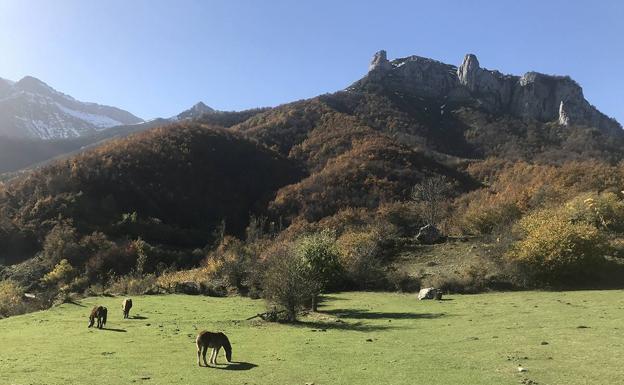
(30,108)
(531,96)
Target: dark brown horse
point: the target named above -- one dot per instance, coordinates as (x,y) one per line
(99,313)
(126,306)
(215,341)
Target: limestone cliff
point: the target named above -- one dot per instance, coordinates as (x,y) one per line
(533,95)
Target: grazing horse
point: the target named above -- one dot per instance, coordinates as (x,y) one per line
(126,306)
(215,341)
(99,313)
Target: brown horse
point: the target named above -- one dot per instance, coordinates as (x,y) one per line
(215,341)
(99,313)
(126,306)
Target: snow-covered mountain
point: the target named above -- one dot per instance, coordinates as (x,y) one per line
(30,108)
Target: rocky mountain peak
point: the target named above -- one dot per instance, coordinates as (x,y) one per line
(533,95)
(32,84)
(379,61)
(197,110)
(468,70)
(30,108)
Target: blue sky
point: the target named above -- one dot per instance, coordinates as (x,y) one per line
(157,58)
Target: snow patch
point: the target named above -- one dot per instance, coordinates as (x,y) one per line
(99,121)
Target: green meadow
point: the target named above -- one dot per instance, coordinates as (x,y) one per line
(356,338)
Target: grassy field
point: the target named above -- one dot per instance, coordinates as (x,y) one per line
(358,338)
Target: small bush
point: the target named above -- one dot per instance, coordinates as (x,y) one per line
(287,282)
(360,260)
(319,256)
(135,285)
(60,276)
(11,298)
(402,281)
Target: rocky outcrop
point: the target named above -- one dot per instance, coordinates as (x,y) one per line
(537,96)
(380,62)
(468,72)
(429,234)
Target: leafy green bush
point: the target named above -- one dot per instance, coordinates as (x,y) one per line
(320,260)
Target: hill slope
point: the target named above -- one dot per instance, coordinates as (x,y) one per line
(180,180)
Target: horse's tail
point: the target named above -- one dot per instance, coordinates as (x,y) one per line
(104,314)
(228,348)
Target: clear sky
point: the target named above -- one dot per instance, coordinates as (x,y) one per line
(157,58)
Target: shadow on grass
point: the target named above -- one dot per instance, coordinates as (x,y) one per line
(365,314)
(114,330)
(237,366)
(138,317)
(330,297)
(350,326)
(72,302)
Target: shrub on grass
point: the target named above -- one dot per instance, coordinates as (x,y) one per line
(319,260)
(287,281)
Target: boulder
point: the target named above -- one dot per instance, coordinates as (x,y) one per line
(429,235)
(429,293)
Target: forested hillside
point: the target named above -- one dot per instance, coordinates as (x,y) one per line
(524,167)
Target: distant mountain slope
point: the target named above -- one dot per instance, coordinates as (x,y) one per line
(31,109)
(20,153)
(181,181)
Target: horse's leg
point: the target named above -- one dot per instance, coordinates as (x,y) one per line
(216,354)
(204,351)
(198,355)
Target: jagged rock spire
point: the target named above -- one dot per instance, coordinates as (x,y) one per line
(468,71)
(380,61)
